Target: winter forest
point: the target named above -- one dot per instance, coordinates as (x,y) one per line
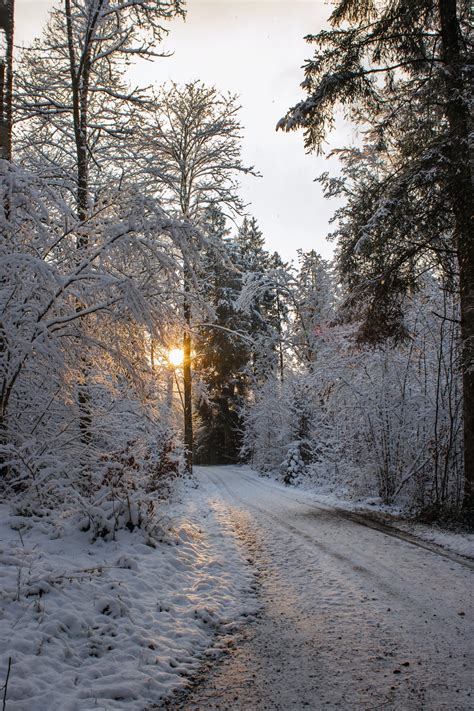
(147,332)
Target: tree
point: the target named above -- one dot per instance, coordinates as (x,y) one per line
(279,314)
(402,69)
(192,150)
(242,345)
(7,14)
(72,88)
(312,304)
(259,298)
(223,349)
(86,47)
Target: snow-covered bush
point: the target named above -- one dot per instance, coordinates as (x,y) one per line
(293,466)
(367,422)
(85,422)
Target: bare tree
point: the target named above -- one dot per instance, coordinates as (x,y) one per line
(192,151)
(73,83)
(76,105)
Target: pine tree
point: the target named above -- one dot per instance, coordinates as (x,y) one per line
(222,353)
(242,346)
(259,297)
(312,295)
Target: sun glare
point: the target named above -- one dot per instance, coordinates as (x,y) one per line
(175,356)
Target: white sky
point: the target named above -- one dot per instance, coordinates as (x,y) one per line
(253,48)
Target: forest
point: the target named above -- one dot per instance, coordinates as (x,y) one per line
(145,327)
(124,237)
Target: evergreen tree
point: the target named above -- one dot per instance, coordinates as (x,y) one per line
(312,304)
(404,70)
(222,354)
(258,297)
(240,348)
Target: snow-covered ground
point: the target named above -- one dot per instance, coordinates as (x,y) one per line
(347,616)
(459,542)
(351,618)
(116,625)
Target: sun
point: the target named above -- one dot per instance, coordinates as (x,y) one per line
(176,356)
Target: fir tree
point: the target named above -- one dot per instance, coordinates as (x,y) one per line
(222,355)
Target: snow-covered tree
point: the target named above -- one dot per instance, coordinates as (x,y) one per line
(312,306)
(364,421)
(259,298)
(88,278)
(192,147)
(223,348)
(403,71)
(74,94)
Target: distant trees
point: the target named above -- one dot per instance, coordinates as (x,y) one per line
(402,70)
(222,353)
(380,421)
(311,294)
(238,349)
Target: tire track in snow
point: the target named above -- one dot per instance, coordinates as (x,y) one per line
(366,520)
(350,619)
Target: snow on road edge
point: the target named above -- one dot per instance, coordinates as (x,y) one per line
(460,543)
(117,625)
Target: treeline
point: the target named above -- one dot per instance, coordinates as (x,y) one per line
(297,393)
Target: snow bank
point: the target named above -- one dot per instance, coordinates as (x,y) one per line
(116,625)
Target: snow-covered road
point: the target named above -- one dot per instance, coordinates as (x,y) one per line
(351,618)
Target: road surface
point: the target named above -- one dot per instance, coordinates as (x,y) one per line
(350,618)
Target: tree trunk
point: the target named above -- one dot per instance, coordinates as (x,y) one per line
(462,201)
(187,384)
(280,338)
(7,16)
(80,92)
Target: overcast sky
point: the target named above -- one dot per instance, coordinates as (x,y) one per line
(254,49)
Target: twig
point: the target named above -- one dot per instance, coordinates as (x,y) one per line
(21,537)
(5,686)
(446,318)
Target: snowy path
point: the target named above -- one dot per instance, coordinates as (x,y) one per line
(351,618)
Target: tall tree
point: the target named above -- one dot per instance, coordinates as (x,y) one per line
(312,302)
(403,69)
(72,87)
(6,89)
(259,297)
(223,348)
(192,149)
